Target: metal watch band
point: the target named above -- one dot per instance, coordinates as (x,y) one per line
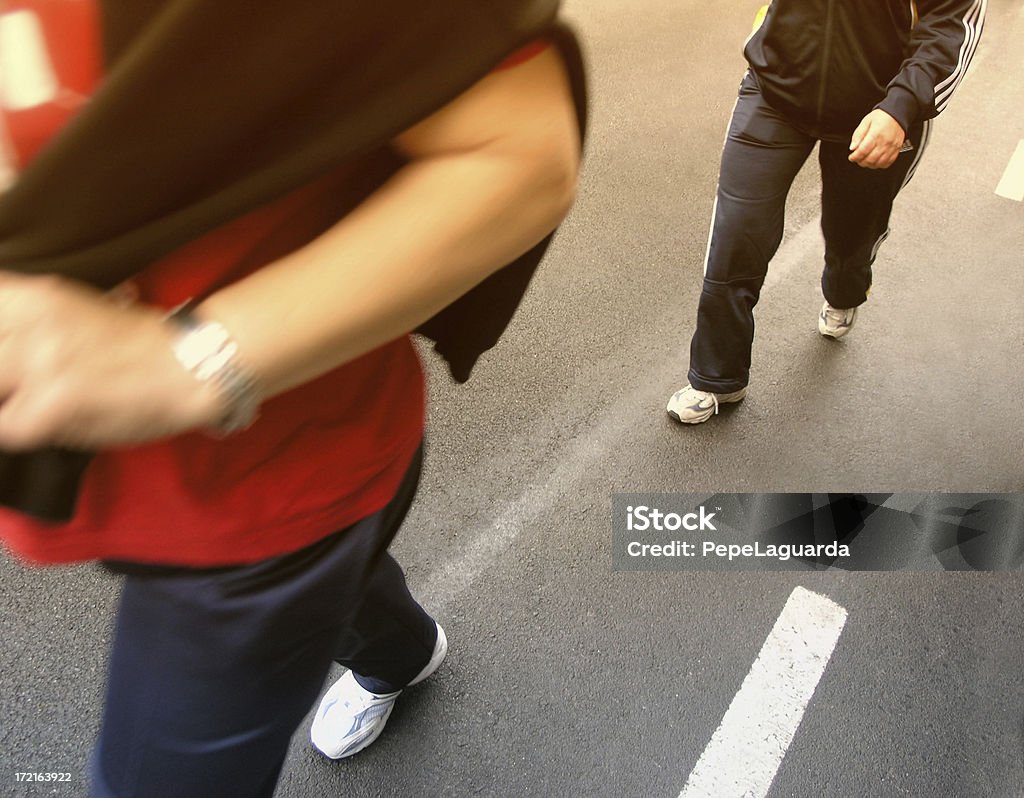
(207,351)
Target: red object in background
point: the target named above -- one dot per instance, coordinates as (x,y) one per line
(524,53)
(55,40)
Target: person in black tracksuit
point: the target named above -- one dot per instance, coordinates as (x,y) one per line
(863,77)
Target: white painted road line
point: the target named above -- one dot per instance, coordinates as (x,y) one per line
(747,748)
(806,246)
(488,544)
(1012,184)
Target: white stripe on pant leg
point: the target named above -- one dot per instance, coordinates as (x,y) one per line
(711,231)
(926,137)
(714,207)
(750,743)
(878,245)
(922,145)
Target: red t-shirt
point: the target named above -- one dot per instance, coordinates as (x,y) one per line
(319,458)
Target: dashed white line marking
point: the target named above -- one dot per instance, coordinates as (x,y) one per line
(1011,185)
(745,752)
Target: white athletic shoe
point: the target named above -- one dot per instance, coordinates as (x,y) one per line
(350,717)
(834,322)
(690,406)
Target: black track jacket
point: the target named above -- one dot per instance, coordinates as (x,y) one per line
(824,64)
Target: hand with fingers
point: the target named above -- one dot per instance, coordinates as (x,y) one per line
(877,141)
(81,369)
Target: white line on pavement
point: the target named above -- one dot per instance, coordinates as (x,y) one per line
(1012,184)
(806,245)
(488,544)
(747,748)
(442,587)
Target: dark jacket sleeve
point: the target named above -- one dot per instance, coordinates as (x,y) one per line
(473,323)
(943,41)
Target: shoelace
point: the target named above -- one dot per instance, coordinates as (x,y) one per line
(701,396)
(353,704)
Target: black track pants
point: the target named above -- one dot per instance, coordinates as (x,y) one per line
(762,155)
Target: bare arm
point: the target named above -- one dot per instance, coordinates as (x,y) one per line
(489,175)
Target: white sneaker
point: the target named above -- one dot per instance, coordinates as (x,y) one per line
(834,322)
(690,406)
(350,717)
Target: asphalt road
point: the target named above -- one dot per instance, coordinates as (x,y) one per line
(566,678)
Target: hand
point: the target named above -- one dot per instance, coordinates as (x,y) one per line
(82,370)
(877,141)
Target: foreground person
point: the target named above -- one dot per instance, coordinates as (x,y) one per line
(258,448)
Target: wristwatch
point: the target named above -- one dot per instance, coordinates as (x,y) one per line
(207,351)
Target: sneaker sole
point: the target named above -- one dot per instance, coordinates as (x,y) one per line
(697,420)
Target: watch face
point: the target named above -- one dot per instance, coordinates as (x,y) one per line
(204,350)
